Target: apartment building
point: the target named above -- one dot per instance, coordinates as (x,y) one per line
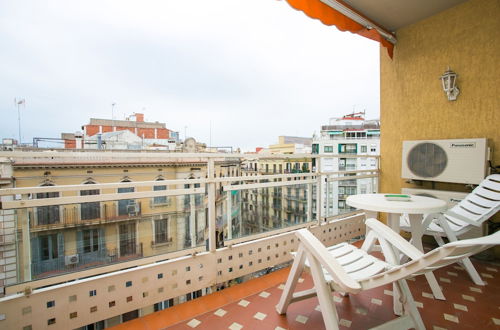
(56,239)
(278,207)
(349,138)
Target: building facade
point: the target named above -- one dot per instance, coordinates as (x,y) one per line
(74,237)
(349,138)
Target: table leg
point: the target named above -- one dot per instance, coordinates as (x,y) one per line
(393,223)
(416,234)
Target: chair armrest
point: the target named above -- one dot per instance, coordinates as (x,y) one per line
(430,218)
(319,251)
(393,238)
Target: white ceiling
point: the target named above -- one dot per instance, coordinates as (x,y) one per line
(395,14)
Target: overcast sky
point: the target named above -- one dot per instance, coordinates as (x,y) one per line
(255,69)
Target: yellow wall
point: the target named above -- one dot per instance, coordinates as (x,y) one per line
(413,104)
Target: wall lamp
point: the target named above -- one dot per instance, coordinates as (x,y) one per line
(449,80)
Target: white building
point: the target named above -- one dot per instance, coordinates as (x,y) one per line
(345,139)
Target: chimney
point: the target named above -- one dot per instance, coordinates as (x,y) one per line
(139,117)
(79,140)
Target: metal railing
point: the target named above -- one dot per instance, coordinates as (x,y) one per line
(197,231)
(190,230)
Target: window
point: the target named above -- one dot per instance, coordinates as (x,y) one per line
(90,240)
(348,148)
(160,199)
(373,148)
(126,206)
(161,231)
(49,247)
(47,215)
(364,149)
(163,304)
(328,148)
(92,210)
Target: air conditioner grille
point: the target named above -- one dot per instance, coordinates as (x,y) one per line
(427,160)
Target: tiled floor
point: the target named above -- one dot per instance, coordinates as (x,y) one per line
(251,305)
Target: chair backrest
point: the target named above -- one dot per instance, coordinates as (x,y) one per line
(478,206)
(437,258)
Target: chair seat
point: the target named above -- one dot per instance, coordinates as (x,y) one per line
(356,262)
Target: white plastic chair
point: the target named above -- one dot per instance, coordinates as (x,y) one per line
(347,269)
(477,207)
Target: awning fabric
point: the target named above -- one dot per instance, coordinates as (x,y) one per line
(329,16)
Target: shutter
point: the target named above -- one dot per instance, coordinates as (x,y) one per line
(35,249)
(79,241)
(60,245)
(102,242)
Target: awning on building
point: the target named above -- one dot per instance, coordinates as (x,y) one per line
(345,18)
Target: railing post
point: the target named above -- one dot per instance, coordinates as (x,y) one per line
(309,201)
(212,243)
(192,219)
(22,217)
(319,189)
(229,198)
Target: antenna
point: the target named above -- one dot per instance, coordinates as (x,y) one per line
(19,103)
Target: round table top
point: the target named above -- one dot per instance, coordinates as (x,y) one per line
(378,203)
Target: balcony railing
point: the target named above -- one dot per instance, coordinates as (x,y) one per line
(77,216)
(245,242)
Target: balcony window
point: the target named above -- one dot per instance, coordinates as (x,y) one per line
(159,199)
(92,210)
(90,240)
(127,235)
(161,231)
(47,215)
(126,206)
(348,148)
(48,247)
(305,167)
(47,253)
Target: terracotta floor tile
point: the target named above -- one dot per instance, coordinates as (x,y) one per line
(479,314)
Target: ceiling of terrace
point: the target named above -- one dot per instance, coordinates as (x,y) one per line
(395,14)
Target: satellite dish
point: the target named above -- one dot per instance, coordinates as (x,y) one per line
(190,145)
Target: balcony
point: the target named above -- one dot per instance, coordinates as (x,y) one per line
(150,257)
(252,305)
(85,215)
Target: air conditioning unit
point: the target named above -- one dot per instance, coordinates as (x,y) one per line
(71,260)
(451,198)
(456,161)
(133,209)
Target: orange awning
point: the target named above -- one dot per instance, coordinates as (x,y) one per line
(329,16)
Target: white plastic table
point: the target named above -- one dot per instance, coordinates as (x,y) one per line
(415,208)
